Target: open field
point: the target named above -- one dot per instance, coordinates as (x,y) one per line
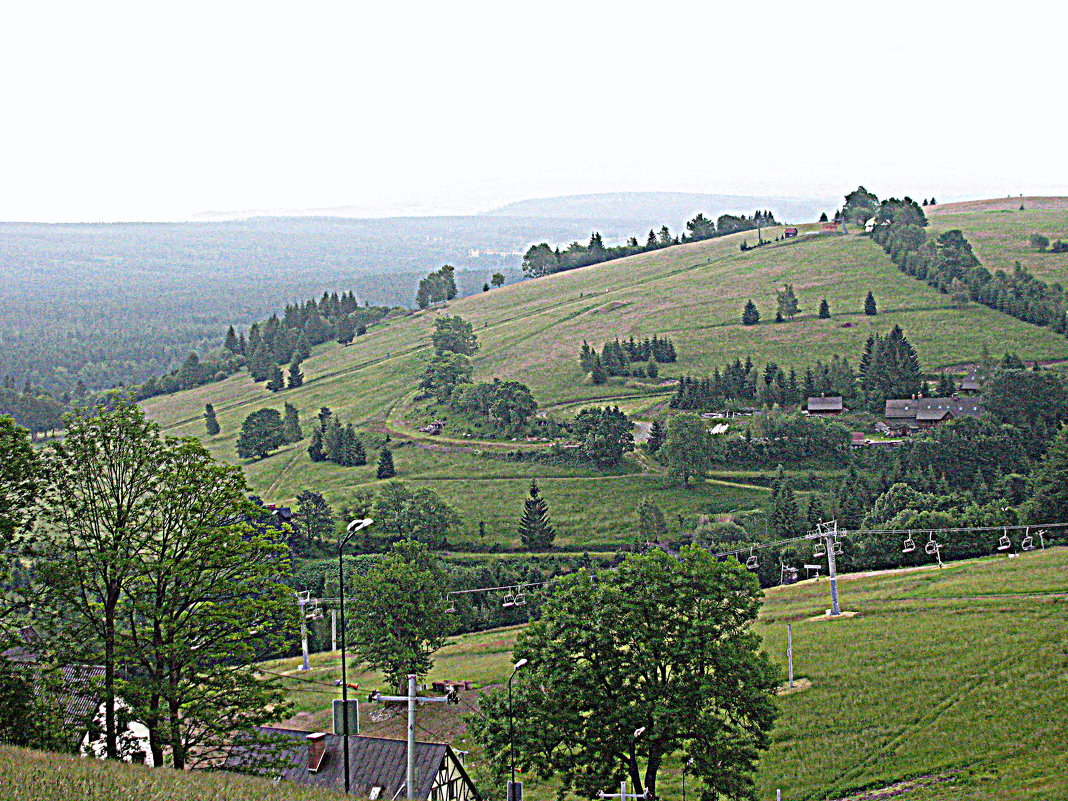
(959,674)
(999,232)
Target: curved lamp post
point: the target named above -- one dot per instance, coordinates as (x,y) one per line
(511,729)
(350,529)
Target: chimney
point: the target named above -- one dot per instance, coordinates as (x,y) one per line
(316,751)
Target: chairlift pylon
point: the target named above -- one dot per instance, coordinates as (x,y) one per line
(908,546)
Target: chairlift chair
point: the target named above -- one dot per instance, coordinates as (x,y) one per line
(1004,542)
(819,549)
(837,547)
(751,563)
(908,546)
(1027,543)
(509,599)
(520,597)
(931,547)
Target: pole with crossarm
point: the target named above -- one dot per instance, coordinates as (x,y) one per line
(412,699)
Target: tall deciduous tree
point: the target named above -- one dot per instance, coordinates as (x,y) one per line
(605,434)
(418,514)
(453,334)
(20,479)
(261,432)
(100,506)
(535,528)
(665,646)
(314,517)
(688,449)
(398,613)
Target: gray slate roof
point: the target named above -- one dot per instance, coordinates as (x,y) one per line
(933,408)
(832,404)
(372,761)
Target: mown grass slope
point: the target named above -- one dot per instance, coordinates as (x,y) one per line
(532,332)
(957,677)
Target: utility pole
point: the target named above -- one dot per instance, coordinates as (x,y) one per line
(412,698)
(333,629)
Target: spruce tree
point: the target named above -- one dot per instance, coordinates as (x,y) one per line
(750,316)
(870,308)
(825,310)
(385,464)
(277,381)
(232,343)
(598,374)
(357,454)
(210,422)
(651,368)
(332,441)
(315,448)
(656,437)
(291,424)
(296,377)
(535,529)
(1049,501)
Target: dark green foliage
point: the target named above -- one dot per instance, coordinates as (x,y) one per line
(444,373)
(688,450)
(787,303)
(750,315)
(959,449)
(1049,484)
(632,653)
(597,372)
(605,435)
(291,424)
(535,528)
(296,377)
(870,308)
(399,616)
(785,516)
(1035,403)
(418,514)
(437,287)
(313,520)
(261,432)
(860,205)
(651,524)
(210,421)
(497,280)
(825,309)
(35,410)
(315,447)
(1038,242)
(656,436)
(617,356)
(453,334)
(276,382)
(508,404)
(385,464)
(889,366)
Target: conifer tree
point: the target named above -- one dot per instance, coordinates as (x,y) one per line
(784,512)
(296,377)
(231,343)
(750,316)
(535,529)
(597,373)
(210,421)
(291,424)
(656,437)
(385,464)
(825,309)
(357,454)
(277,381)
(332,441)
(651,369)
(870,308)
(315,448)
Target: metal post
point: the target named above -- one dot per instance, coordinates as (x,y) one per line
(344,677)
(333,629)
(829,540)
(1042,538)
(790,651)
(410,772)
(304,636)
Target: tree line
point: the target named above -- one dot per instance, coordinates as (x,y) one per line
(616,357)
(542,259)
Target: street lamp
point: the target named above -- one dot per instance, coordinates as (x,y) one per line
(350,529)
(511,731)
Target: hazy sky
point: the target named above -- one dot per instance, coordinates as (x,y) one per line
(160,110)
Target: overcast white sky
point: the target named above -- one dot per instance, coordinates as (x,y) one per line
(160,110)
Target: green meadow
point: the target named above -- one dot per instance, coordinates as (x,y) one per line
(532,332)
(954,679)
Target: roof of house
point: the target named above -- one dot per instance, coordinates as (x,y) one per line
(912,408)
(832,404)
(373,762)
(971,382)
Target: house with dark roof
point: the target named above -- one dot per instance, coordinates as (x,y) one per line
(377,766)
(913,414)
(973,382)
(825,406)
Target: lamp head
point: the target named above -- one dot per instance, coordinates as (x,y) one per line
(638,732)
(356,525)
(519,664)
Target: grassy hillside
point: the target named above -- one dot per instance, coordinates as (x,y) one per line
(957,677)
(999,232)
(532,332)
